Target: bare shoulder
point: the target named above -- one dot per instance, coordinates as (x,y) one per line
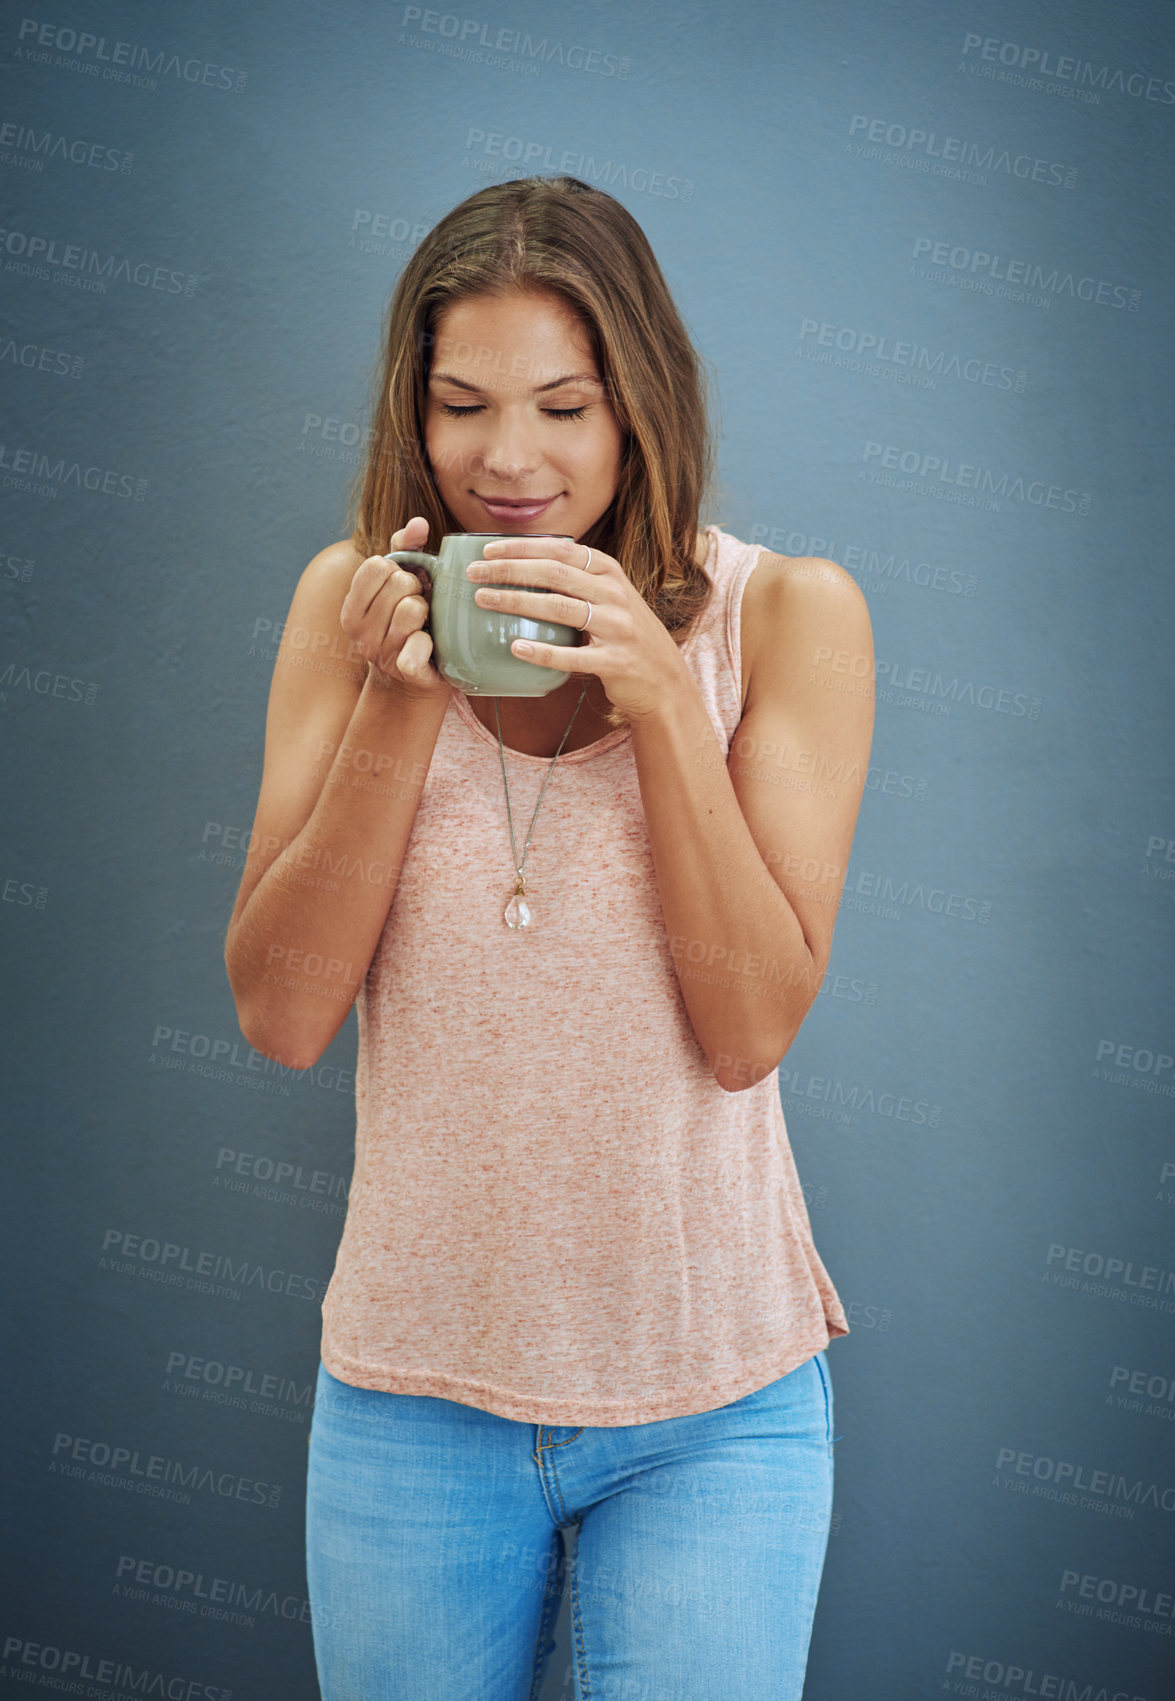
(799,581)
(330,573)
(803,611)
(312,628)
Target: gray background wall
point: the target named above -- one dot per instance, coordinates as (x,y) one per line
(925,248)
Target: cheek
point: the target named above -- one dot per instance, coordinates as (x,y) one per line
(598,456)
(442,450)
(608,460)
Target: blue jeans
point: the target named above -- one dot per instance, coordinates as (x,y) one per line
(436,1562)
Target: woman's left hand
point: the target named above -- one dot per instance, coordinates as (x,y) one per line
(625,645)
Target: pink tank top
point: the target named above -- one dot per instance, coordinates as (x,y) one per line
(557,1214)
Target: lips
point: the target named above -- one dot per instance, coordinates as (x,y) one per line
(515,508)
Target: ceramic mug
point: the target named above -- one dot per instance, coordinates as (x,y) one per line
(471,644)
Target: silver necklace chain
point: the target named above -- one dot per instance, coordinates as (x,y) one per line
(517,912)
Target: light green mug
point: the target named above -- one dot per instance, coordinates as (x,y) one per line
(471,644)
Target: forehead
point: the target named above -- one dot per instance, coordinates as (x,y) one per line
(530,336)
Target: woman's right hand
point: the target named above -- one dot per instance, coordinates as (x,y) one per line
(384,613)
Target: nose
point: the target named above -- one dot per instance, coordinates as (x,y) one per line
(508,453)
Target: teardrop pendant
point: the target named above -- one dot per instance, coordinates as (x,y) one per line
(517,912)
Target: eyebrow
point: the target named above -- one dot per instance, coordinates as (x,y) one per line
(555,384)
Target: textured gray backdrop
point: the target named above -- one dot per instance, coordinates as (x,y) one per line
(925,249)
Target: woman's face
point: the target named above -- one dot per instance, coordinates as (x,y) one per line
(519,431)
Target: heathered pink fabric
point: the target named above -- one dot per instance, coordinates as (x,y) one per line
(557,1214)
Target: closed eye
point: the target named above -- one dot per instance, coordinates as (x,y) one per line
(553,413)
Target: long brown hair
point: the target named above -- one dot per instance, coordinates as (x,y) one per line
(563,235)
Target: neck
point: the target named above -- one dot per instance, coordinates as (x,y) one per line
(536,725)
(558,705)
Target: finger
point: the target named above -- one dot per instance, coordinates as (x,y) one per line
(399,586)
(536,605)
(527,545)
(369,579)
(359,596)
(412,660)
(409,615)
(410,536)
(567,660)
(569,552)
(541,569)
(386,581)
(377,629)
(385,628)
(525,572)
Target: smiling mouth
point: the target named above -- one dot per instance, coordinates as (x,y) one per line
(515,501)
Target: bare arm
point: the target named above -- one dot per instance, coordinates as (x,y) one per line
(347,751)
(750,872)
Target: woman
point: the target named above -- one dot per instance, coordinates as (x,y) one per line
(576,1284)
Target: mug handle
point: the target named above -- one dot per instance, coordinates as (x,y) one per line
(415,558)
